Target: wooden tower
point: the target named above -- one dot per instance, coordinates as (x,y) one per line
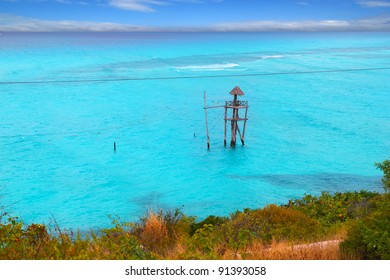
(235,106)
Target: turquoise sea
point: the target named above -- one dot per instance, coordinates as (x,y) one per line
(308,130)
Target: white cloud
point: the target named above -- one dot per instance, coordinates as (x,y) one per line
(148,5)
(284,26)
(18,23)
(10,23)
(374,4)
(374,24)
(136,5)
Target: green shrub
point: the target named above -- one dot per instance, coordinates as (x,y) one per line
(369,238)
(332,209)
(176,236)
(270,223)
(178,225)
(210,220)
(119,243)
(11,238)
(385,167)
(32,242)
(204,238)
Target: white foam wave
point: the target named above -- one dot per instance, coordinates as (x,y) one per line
(272,57)
(208,67)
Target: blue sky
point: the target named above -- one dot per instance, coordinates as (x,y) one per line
(194,15)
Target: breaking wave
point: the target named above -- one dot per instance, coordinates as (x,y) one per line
(272,57)
(208,67)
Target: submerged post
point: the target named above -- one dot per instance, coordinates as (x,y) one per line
(224,137)
(243,131)
(207,122)
(234,123)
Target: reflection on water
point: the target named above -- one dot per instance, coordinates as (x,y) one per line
(330,182)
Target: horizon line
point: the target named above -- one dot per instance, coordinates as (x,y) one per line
(14,23)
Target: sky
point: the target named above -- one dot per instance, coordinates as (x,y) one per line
(194,15)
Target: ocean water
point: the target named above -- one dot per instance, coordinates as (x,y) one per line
(306,133)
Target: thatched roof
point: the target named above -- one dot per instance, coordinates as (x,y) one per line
(236,91)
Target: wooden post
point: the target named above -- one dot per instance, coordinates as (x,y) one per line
(239,131)
(243,131)
(114,146)
(234,123)
(224,139)
(207,122)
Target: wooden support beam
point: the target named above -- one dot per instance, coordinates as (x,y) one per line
(234,124)
(234,131)
(212,107)
(236,107)
(239,131)
(241,135)
(237,119)
(243,131)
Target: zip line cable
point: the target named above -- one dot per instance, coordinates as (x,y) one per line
(124,79)
(70,133)
(162,78)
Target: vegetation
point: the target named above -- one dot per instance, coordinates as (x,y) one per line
(369,237)
(385,167)
(358,223)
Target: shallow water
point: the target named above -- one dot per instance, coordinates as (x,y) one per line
(306,133)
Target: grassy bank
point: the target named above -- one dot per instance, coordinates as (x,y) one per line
(356,223)
(361,220)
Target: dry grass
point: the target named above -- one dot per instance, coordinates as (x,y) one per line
(328,250)
(154,233)
(155,236)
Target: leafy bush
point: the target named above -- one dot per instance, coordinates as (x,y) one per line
(271,223)
(385,167)
(210,220)
(37,242)
(331,209)
(204,241)
(119,243)
(369,238)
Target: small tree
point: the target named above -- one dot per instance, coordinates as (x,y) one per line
(385,167)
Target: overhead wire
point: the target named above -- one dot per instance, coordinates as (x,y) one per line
(72,133)
(164,78)
(124,79)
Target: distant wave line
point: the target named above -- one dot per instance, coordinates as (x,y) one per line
(272,57)
(192,77)
(208,67)
(67,134)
